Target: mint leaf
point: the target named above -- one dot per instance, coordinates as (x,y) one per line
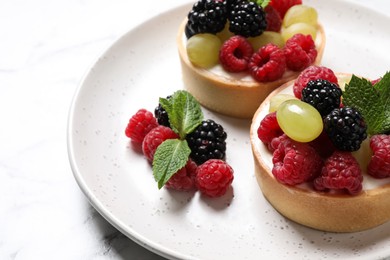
(383,87)
(371,101)
(262,3)
(170,156)
(184,112)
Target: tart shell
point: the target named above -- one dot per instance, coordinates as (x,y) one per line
(318,210)
(226,95)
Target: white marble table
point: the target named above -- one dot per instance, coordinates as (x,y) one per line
(45,49)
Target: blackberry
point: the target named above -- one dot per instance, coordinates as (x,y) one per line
(207,141)
(346,128)
(247,19)
(206,16)
(323,95)
(161,115)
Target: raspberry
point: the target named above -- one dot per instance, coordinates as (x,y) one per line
(235,54)
(311,73)
(283,5)
(247,19)
(267,64)
(379,165)
(184,179)
(206,16)
(207,141)
(346,128)
(341,171)
(274,21)
(323,95)
(323,145)
(214,177)
(300,51)
(295,163)
(154,138)
(139,125)
(275,142)
(269,129)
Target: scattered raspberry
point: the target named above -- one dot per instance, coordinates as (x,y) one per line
(311,73)
(184,179)
(268,64)
(274,21)
(214,177)
(283,5)
(379,166)
(341,171)
(140,124)
(269,129)
(235,54)
(295,163)
(300,51)
(154,138)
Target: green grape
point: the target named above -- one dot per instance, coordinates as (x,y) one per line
(203,50)
(266,37)
(299,120)
(278,99)
(300,14)
(295,28)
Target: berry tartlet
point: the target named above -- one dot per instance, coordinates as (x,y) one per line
(233,53)
(319,160)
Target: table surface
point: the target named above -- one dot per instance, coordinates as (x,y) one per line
(46,49)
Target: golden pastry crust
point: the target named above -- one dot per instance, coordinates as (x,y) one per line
(230,96)
(318,210)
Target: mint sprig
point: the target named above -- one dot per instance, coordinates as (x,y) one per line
(184,114)
(372,101)
(170,156)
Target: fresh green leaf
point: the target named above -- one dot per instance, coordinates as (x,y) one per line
(170,156)
(373,102)
(383,86)
(262,3)
(184,112)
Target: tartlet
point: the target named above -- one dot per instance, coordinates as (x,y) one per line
(237,95)
(332,212)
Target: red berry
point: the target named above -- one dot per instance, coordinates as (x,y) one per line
(283,5)
(295,163)
(275,142)
(379,165)
(154,138)
(323,145)
(269,129)
(311,73)
(274,21)
(341,171)
(214,177)
(184,179)
(268,63)
(139,125)
(300,51)
(235,54)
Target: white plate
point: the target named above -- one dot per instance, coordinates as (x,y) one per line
(142,66)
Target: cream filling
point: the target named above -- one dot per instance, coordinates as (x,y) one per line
(219,71)
(368,181)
